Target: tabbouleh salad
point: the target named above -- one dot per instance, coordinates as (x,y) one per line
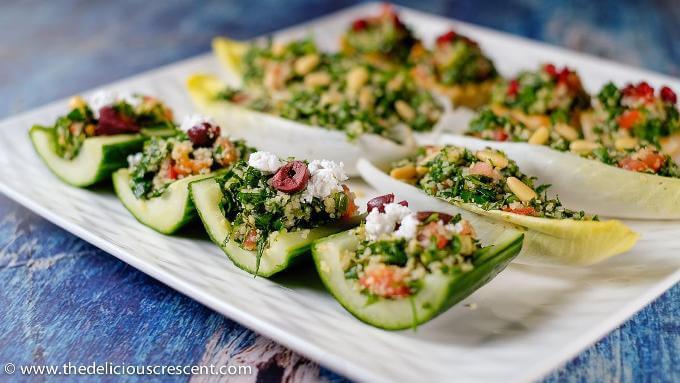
(485,178)
(399,247)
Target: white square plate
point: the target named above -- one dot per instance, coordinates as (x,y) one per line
(526,322)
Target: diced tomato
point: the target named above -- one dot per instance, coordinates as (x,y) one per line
(513,88)
(524,210)
(629,118)
(359,25)
(643,89)
(385,281)
(632,164)
(446,37)
(654,160)
(436,231)
(351,206)
(668,95)
(550,69)
(250,243)
(500,135)
(172,173)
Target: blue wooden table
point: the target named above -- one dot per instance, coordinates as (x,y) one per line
(63,300)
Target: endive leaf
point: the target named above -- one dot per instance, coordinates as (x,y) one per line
(546,241)
(585,184)
(287,138)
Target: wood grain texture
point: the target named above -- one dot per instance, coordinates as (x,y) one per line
(64,300)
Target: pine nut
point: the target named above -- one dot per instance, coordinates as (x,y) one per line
(306,63)
(583,146)
(625,143)
(404,110)
(492,157)
(540,136)
(317,79)
(356,78)
(566,131)
(404,173)
(520,189)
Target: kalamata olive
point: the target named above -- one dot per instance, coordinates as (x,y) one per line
(380,202)
(425,215)
(111,122)
(291,177)
(668,95)
(204,134)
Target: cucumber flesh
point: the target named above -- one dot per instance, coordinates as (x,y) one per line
(283,249)
(438,293)
(166,213)
(98,158)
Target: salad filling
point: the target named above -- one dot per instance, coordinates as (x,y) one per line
(486,178)
(399,247)
(456,67)
(198,149)
(633,116)
(544,97)
(297,82)
(106,114)
(634,156)
(381,39)
(267,195)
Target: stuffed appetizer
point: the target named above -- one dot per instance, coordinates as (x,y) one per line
(94,139)
(265,212)
(290,93)
(605,169)
(457,68)
(634,117)
(401,268)
(490,184)
(155,186)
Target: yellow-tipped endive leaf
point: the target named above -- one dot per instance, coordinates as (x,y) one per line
(229,53)
(585,184)
(287,138)
(546,241)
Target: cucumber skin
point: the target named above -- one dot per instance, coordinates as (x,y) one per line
(113,158)
(488,264)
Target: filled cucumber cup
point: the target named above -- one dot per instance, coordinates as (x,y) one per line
(265,213)
(155,185)
(489,184)
(94,139)
(617,164)
(401,268)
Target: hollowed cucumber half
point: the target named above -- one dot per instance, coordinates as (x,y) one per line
(166,213)
(438,293)
(98,158)
(283,249)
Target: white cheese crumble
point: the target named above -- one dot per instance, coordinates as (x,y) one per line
(408,227)
(194,120)
(325,178)
(134,159)
(265,162)
(103,97)
(378,223)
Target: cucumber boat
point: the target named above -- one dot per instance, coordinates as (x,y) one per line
(265,213)
(396,279)
(94,139)
(155,186)
(490,185)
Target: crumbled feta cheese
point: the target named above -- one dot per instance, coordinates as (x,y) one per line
(265,162)
(325,178)
(100,99)
(104,97)
(378,223)
(194,120)
(134,159)
(408,227)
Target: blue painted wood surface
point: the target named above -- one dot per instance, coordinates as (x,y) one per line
(64,300)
